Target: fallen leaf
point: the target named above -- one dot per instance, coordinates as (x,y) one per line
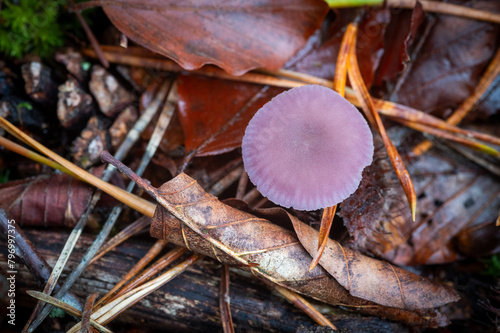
(48,200)
(372,279)
(235,35)
(214,113)
(399,36)
(319,58)
(450,62)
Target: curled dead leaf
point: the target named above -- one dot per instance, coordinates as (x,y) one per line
(372,279)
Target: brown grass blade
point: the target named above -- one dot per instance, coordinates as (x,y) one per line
(14,147)
(448,9)
(446,135)
(340,76)
(159,265)
(397,111)
(374,118)
(129,299)
(111,310)
(153,252)
(302,304)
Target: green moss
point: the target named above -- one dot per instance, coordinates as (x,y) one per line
(4,176)
(30,26)
(492,265)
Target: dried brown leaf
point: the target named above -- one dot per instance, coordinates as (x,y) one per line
(454,195)
(375,280)
(47,200)
(214,113)
(450,63)
(232,236)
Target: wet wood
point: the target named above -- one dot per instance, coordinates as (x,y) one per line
(189,303)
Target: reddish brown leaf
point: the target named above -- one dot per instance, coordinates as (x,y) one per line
(399,35)
(235,35)
(55,200)
(319,59)
(370,42)
(214,113)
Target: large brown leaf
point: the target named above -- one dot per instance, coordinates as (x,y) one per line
(203,224)
(235,35)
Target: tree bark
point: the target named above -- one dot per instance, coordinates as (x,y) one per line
(188,303)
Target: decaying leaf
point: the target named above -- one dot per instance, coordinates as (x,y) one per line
(48,200)
(374,280)
(235,35)
(187,215)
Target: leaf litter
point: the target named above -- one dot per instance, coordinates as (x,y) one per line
(383,233)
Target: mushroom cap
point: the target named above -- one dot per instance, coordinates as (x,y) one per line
(307,148)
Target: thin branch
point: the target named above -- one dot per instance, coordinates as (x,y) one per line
(448,9)
(87,311)
(224,301)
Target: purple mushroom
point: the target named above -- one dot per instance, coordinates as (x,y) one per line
(307,148)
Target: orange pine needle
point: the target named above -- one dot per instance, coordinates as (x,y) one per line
(374,118)
(324,231)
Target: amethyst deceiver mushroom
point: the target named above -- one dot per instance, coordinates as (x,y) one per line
(307,148)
